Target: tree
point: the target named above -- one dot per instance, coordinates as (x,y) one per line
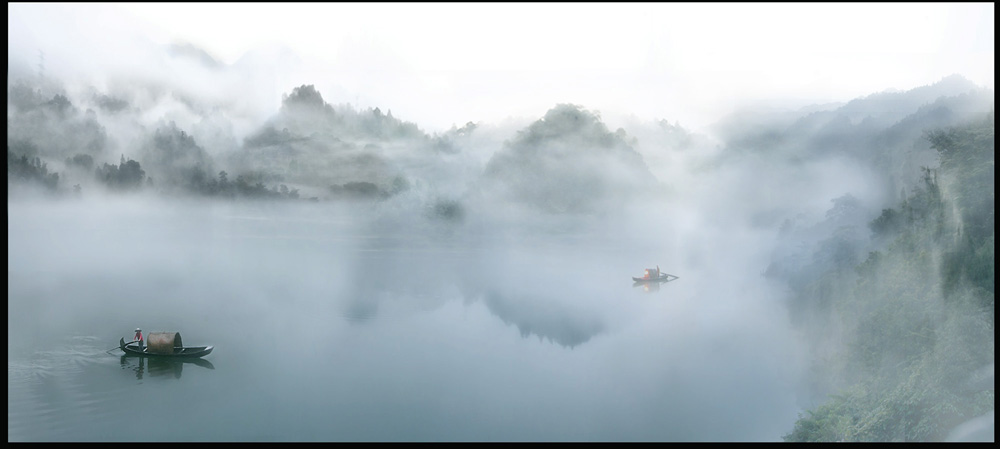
(84,161)
(918,320)
(127,175)
(30,171)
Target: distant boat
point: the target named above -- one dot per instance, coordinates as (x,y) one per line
(163,344)
(654,275)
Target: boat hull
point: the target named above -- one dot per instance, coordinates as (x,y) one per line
(662,278)
(132,349)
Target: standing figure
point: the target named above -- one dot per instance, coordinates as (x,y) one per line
(138,337)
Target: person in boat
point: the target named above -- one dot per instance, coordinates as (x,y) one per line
(138,338)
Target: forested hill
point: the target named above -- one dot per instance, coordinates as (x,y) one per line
(903,337)
(60,143)
(566,162)
(882,130)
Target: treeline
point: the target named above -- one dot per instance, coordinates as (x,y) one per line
(46,128)
(29,170)
(129,176)
(916,316)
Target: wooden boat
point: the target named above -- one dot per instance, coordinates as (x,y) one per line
(163,344)
(654,275)
(663,277)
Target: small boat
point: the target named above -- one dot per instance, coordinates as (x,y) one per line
(654,275)
(664,277)
(163,344)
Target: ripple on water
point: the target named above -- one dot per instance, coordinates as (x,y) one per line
(57,392)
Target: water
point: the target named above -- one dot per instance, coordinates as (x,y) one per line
(348,323)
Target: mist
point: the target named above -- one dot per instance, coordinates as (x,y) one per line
(384,249)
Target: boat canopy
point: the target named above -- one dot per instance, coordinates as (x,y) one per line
(163,342)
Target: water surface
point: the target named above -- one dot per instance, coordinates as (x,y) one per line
(335,323)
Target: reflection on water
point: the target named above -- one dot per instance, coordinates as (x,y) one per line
(77,389)
(649,286)
(341,336)
(161,366)
(559,323)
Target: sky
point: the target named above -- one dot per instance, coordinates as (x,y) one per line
(443,64)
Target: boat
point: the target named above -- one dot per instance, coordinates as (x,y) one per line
(663,277)
(654,275)
(163,344)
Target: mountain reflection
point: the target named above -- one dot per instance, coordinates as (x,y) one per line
(545,319)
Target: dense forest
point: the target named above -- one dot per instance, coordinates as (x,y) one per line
(914,320)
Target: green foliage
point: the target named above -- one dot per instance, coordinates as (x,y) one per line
(882,130)
(887,224)
(919,318)
(833,421)
(304,113)
(174,155)
(305,96)
(967,155)
(22,169)
(568,162)
(269,136)
(358,190)
(23,96)
(55,127)
(923,399)
(60,105)
(84,161)
(126,176)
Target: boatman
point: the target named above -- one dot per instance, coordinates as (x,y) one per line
(138,337)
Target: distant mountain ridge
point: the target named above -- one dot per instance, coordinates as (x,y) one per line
(192,52)
(890,107)
(883,130)
(749,126)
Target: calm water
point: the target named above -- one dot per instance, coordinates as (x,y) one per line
(335,323)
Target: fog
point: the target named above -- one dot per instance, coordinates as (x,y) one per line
(413,328)
(386,244)
(692,63)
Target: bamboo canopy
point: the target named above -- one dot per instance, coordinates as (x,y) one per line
(163,342)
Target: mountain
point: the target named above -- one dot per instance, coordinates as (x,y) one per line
(890,107)
(310,142)
(884,131)
(191,52)
(567,162)
(765,129)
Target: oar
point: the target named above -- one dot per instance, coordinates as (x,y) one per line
(121,344)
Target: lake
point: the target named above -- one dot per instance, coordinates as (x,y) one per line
(360,322)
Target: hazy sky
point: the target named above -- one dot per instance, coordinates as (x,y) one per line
(439,64)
